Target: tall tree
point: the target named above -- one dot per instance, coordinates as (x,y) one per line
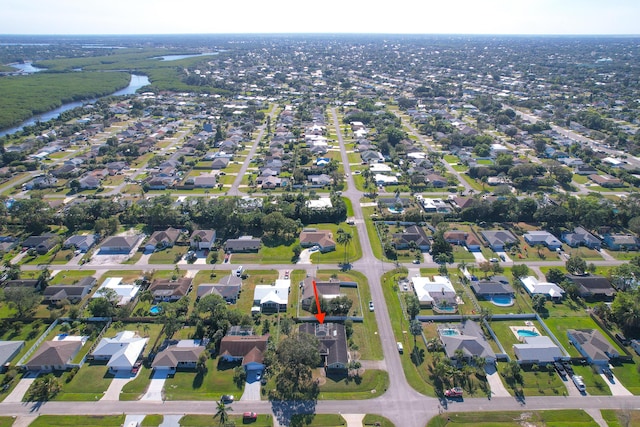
(222,413)
(344,238)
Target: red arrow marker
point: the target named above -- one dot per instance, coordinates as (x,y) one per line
(320,315)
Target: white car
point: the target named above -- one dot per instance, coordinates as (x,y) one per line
(370,305)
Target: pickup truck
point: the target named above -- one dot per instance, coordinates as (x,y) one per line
(453,392)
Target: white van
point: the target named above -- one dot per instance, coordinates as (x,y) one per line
(239,271)
(577,380)
(400,347)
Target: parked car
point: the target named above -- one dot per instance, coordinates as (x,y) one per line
(400,347)
(249,416)
(608,373)
(577,380)
(454,392)
(370,305)
(567,367)
(560,369)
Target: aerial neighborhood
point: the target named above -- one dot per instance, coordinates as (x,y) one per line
(251,226)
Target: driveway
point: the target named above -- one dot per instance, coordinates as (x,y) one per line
(251,391)
(617,389)
(495,383)
(479,256)
(305,257)
(113,392)
(154,392)
(21,388)
(144,259)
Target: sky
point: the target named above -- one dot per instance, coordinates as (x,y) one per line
(325,16)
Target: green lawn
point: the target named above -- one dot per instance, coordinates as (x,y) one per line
(254,277)
(354,250)
(168,256)
(594,382)
(70,276)
(628,375)
(6,421)
(133,390)
(540,381)
(208,420)
(318,420)
(79,420)
(372,384)
(372,419)
(89,384)
(619,418)
(560,418)
(281,254)
(559,326)
(153,420)
(192,385)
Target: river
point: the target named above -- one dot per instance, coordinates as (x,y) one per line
(135,83)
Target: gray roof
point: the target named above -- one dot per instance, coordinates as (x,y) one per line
(9,350)
(471,341)
(593,343)
(490,287)
(498,237)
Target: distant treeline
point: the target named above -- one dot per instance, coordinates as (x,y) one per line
(25,96)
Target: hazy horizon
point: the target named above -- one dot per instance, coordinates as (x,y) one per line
(460,17)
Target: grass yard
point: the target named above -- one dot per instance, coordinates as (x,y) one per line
(168,255)
(89,384)
(354,250)
(153,420)
(628,375)
(254,277)
(372,384)
(621,418)
(133,390)
(6,421)
(70,277)
(281,254)
(211,385)
(559,418)
(128,276)
(559,326)
(79,420)
(318,420)
(208,420)
(541,382)
(372,419)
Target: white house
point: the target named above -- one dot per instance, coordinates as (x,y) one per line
(431,292)
(380,168)
(550,290)
(385,179)
(121,351)
(272,298)
(321,203)
(125,292)
(539,349)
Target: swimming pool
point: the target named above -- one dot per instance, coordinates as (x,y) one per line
(155,310)
(502,300)
(527,333)
(395,211)
(449,332)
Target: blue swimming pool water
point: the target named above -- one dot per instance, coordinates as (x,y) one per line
(155,309)
(448,308)
(527,333)
(449,332)
(502,300)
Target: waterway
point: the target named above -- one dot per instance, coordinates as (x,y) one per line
(178,57)
(27,67)
(135,83)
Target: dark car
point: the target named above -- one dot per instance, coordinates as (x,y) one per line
(227,398)
(560,369)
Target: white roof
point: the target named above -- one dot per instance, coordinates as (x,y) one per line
(380,167)
(125,292)
(278,292)
(386,179)
(540,349)
(545,288)
(125,358)
(321,203)
(424,286)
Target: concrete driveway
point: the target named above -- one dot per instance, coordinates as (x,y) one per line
(495,383)
(21,388)
(617,389)
(119,381)
(305,257)
(154,392)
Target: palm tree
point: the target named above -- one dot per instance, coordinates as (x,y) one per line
(344,239)
(222,413)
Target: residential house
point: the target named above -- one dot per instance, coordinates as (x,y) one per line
(80,242)
(201,181)
(168,290)
(542,238)
(242,244)
(41,182)
(55,355)
(322,238)
(438,292)
(467,339)
(619,242)
(593,287)
(228,291)
(124,292)
(42,244)
(581,237)
(592,345)
(89,182)
(321,180)
(412,235)
(463,238)
(122,245)
(498,240)
(332,341)
(606,181)
(121,351)
(219,163)
(272,298)
(585,170)
(326,290)
(436,180)
(162,239)
(203,239)
(72,293)
(538,350)
(181,355)
(487,289)
(246,349)
(550,290)
(9,350)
